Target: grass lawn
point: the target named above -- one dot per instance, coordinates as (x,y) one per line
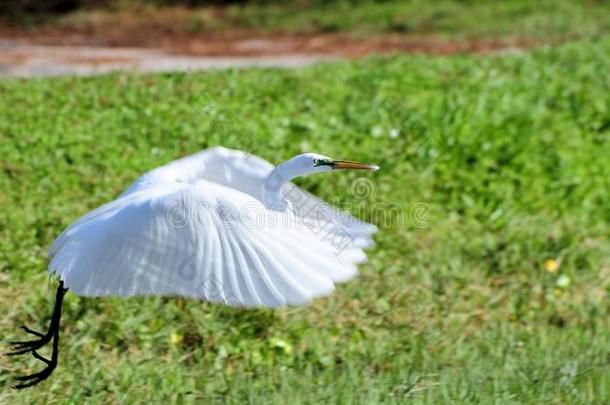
(454,20)
(491,167)
(451,18)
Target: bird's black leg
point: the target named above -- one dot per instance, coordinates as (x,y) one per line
(28,345)
(33,345)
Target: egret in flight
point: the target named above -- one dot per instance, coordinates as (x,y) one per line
(221,226)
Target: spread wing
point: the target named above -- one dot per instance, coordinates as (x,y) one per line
(196,228)
(203,241)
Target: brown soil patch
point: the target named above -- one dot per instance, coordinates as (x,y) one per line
(167,32)
(256,45)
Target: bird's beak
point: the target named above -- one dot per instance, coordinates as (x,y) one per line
(346,164)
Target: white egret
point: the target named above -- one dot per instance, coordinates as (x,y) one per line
(220,226)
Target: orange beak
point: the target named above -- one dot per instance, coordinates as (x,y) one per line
(348,165)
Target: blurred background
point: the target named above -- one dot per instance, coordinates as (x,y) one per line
(490,278)
(179,35)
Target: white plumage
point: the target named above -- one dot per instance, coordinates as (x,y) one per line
(221,226)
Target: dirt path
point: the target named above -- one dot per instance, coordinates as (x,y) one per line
(57,52)
(26,60)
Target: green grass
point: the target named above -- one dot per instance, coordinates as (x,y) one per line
(506,156)
(454,20)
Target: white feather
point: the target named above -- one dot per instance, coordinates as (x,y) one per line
(196,227)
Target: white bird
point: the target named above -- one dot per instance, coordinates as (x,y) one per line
(220,226)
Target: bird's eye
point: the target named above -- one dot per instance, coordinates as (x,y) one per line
(317,162)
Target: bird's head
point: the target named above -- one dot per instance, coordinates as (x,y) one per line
(302,165)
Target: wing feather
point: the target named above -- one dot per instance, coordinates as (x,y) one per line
(251,298)
(134,249)
(135,246)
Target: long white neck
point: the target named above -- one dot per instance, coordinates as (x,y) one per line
(275,181)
